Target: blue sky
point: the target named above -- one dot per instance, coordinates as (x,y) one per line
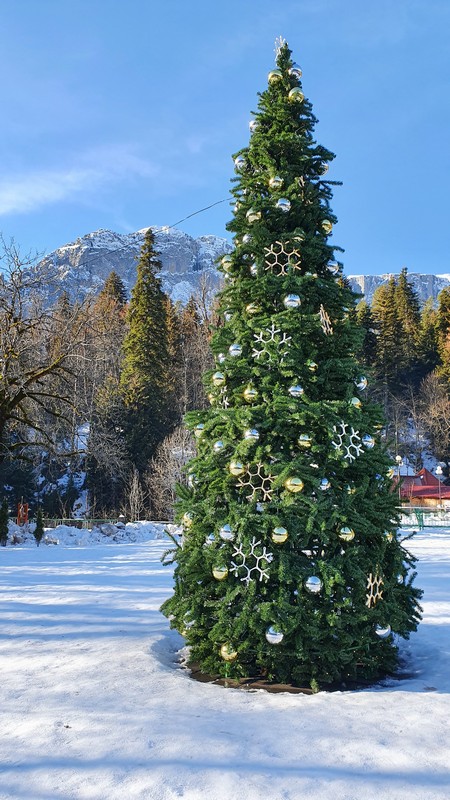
(123,114)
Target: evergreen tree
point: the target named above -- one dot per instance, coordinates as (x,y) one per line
(388,359)
(39,529)
(290,566)
(428,339)
(145,379)
(4,519)
(114,289)
(443,325)
(369,346)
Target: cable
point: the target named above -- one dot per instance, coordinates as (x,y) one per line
(199,211)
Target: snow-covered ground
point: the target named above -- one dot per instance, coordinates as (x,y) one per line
(95,706)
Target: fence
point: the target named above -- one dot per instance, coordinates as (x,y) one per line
(420,517)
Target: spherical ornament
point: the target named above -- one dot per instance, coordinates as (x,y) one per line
(235,350)
(251,433)
(283,204)
(226,533)
(199,430)
(295,71)
(296,390)
(325,484)
(218,446)
(250,394)
(236,207)
(304,440)
(361,383)
(252,215)
(239,162)
(274,635)
(187,520)
(346,534)
(276,182)
(368,441)
(383,631)
(236,468)
(218,379)
(313,584)
(226,263)
(333,267)
(210,539)
(400,578)
(391,472)
(228,652)
(252,308)
(227,315)
(296,95)
(220,573)
(327,226)
(192,480)
(274,75)
(253,270)
(247,238)
(291,301)
(221,358)
(312,366)
(355,402)
(253,124)
(322,168)
(279,535)
(294,485)
(389,536)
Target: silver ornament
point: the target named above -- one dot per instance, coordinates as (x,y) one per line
(251,433)
(368,441)
(235,350)
(283,204)
(218,379)
(192,480)
(226,533)
(221,358)
(325,484)
(253,124)
(383,631)
(218,446)
(295,71)
(296,390)
(274,635)
(239,162)
(254,270)
(210,539)
(313,584)
(276,182)
(199,430)
(247,238)
(323,168)
(227,316)
(361,383)
(291,301)
(333,267)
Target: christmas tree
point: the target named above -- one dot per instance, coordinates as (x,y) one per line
(291,566)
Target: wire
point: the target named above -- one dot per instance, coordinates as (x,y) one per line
(206,208)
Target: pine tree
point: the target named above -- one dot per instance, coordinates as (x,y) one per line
(145,378)
(291,567)
(114,289)
(39,529)
(443,325)
(4,519)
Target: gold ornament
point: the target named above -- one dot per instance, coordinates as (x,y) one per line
(236,468)
(296,95)
(282,255)
(228,652)
(327,226)
(375,593)
(294,485)
(279,535)
(252,308)
(346,534)
(276,182)
(304,440)
(252,215)
(274,75)
(199,430)
(250,394)
(227,263)
(312,366)
(187,520)
(218,379)
(220,573)
(355,402)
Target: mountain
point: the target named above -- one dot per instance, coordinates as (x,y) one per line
(425,285)
(84,265)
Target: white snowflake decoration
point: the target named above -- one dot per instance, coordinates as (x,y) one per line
(280,256)
(325,322)
(347,443)
(279,42)
(375,593)
(256,561)
(271,343)
(257,483)
(223,400)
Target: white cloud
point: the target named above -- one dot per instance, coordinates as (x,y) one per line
(92,170)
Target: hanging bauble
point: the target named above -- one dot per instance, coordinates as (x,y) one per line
(391,472)
(389,536)
(313,584)
(253,270)
(296,95)
(296,390)
(236,208)
(239,162)
(226,533)
(276,182)
(253,124)
(252,434)
(211,398)
(235,350)
(368,441)
(250,394)
(220,573)
(295,71)
(346,533)
(283,204)
(291,301)
(218,446)
(355,402)
(236,468)
(227,315)
(400,578)
(327,226)
(192,480)
(274,75)
(252,215)
(187,520)
(304,440)
(383,631)
(279,534)
(274,635)
(361,383)
(322,168)
(210,539)
(312,366)
(221,358)
(247,238)
(294,485)
(218,379)
(324,484)
(226,263)
(199,430)
(333,267)
(252,308)
(228,652)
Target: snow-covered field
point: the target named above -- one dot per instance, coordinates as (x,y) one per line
(94,704)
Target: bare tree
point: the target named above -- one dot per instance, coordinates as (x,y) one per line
(167,470)
(435,414)
(135,497)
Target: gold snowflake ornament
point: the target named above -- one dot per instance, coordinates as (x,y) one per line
(257,482)
(375,592)
(280,256)
(325,322)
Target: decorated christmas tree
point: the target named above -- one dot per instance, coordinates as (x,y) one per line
(291,567)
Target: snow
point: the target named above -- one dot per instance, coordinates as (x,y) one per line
(96,706)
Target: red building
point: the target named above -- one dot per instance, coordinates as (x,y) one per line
(424,489)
